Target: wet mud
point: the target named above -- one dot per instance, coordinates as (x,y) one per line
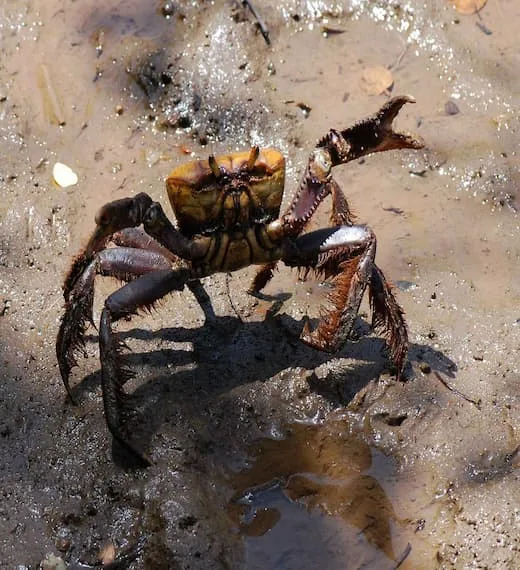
(266,453)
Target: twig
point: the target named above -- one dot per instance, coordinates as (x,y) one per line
(399,57)
(455,391)
(230,299)
(263,28)
(403,556)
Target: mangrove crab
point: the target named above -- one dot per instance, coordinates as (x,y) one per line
(227,210)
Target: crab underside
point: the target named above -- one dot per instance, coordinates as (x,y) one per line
(228,217)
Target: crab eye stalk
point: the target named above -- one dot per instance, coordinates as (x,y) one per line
(253,155)
(214,166)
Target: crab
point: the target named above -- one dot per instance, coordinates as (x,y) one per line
(227,210)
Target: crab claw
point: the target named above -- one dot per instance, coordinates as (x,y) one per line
(381,128)
(374,134)
(112,217)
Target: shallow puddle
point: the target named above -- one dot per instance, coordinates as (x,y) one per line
(316,499)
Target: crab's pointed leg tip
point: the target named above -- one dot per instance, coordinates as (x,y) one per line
(70,396)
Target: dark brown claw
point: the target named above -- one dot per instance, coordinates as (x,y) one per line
(374,134)
(112,217)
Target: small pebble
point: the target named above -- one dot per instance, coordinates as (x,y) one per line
(168,9)
(451,108)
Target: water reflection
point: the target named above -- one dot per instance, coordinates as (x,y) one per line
(316,499)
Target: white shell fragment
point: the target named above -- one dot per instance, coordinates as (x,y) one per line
(63,175)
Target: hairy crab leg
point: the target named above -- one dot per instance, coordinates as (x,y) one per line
(128,213)
(120,262)
(141,293)
(123,263)
(346,254)
(138,238)
(341,214)
(388,316)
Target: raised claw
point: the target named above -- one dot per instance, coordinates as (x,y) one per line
(374,134)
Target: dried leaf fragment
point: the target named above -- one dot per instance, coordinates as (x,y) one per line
(468,6)
(63,175)
(376,80)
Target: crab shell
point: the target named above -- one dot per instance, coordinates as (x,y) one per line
(238,194)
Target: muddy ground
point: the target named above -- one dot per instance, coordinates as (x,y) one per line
(267,454)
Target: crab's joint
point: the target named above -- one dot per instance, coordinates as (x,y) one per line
(111,218)
(117,215)
(159,226)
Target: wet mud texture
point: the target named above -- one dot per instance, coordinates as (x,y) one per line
(267,454)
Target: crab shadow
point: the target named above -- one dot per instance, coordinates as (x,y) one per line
(188,369)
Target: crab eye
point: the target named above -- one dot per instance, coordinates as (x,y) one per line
(253,155)
(214,167)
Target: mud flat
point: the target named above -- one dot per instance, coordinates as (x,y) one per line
(267,454)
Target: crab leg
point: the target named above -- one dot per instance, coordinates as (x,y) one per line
(121,262)
(138,238)
(141,293)
(128,213)
(388,316)
(341,214)
(115,221)
(346,255)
